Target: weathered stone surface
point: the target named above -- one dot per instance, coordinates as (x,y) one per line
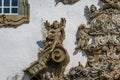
(66,1)
(53,57)
(101,42)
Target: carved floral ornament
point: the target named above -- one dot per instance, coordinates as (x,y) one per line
(101,43)
(21,14)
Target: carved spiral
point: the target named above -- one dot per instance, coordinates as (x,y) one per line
(58,54)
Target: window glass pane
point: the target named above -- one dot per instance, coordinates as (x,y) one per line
(0,10)
(14,10)
(14,2)
(6,2)
(0,2)
(6,10)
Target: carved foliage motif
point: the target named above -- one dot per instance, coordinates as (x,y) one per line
(101,42)
(53,57)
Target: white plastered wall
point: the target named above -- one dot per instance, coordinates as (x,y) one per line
(18,47)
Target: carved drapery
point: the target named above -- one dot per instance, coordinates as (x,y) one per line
(17,19)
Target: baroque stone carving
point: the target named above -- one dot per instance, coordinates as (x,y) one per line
(66,1)
(101,42)
(53,57)
(17,19)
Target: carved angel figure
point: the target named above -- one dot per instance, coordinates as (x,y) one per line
(91,12)
(82,37)
(48,76)
(53,57)
(103,51)
(55,32)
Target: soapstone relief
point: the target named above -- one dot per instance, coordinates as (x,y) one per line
(103,51)
(53,57)
(66,1)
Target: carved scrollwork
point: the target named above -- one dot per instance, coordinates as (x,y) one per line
(53,57)
(101,43)
(66,1)
(13,20)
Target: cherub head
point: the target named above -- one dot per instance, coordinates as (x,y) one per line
(47,75)
(55,24)
(82,26)
(93,8)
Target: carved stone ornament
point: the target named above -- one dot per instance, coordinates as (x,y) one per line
(14,20)
(66,1)
(53,57)
(100,40)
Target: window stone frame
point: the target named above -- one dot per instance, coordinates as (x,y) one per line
(14,20)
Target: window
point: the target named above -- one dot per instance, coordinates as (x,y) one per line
(13,12)
(8,6)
